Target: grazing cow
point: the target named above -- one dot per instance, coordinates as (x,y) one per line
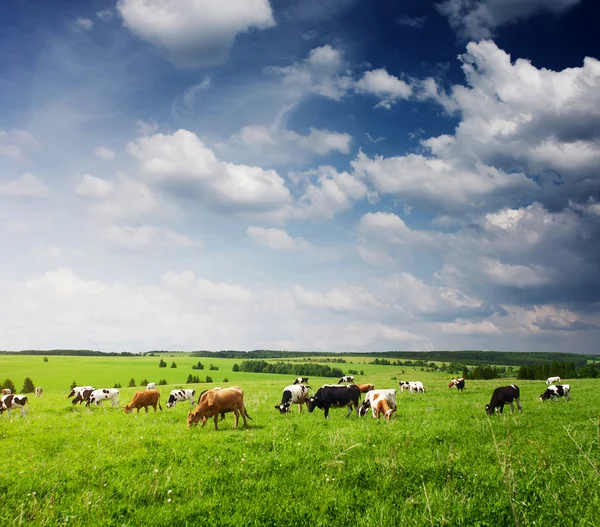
(13,402)
(372,400)
(38,391)
(503,395)
(555,391)
(181,395)
(293,394)
(459,383)
(364,388)
(151,386)
(217,402)
(412,386)
(144,399)
(301,380)
(81,393)
(335,396)
(6,391)
(346,378)
(104,394)
(550,380)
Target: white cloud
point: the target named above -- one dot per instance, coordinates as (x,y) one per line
(477,19)
(278,239)
(194,33)
(189,170)
(465,327)
(106,15)
(104,153)
(84,24)
(344,299)
(412,21)
(145,128)
(388,88)
(143,237)
(27,185)
(94,187)
(516,275)
(15,143)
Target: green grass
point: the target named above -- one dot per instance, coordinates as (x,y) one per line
(440,462)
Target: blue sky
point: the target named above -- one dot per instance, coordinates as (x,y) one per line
(328,175)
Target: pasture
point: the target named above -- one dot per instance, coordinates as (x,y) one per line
(441,461)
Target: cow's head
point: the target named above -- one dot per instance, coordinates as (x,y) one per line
(193,419)
(311,403)
(283,408)
(364,407)
(489,409)
(127,409)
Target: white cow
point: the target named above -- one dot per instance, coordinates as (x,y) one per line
(412,386)
(346,378)
(374,400)
(293,394)
(13,402)
(104,394)
(38,391)
(6,391)
(550,380)
(180,395)
(151,386)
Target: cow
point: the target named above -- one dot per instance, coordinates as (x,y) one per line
(181,395)
(458,383)
(151,386)
(412,386)
(6,391)
(293,394)
(335,396)
(13,402)
(82,394)
(555,391)
(503,395)
(144,399)
(364,388)
(550,380)
(301,380)
(346,378)
(217,402)
(38,391)
(104,394)
(372,400)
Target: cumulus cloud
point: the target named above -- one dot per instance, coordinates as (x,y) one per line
(344,299)
(84,24)
(94,187)
(277,239)
(194,33)
(388,88)
(104,153)
(26,186)
(143,237)
(14,144)
(478,19)
(106,15)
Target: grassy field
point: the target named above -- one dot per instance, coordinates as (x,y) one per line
(442,461)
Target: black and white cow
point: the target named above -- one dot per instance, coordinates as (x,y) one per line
(104,394)
(81,393)
(503,395)
(293,394)
(412,386)
(555,391)
(177,396)
(301,380)
(13,402)
(346,378)
(335,396)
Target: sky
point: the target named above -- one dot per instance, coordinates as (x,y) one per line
(324,175)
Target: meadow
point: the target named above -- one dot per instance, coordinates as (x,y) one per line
(441,461)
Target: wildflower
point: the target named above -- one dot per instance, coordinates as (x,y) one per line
(169,500)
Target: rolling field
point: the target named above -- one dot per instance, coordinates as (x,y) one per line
(441,461)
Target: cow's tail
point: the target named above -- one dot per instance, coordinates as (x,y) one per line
(246,412)
(159,406)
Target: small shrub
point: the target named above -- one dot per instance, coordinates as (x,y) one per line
(225,379)
(28,386)
(173,365)
(162,364)
(144,382)
(162,382)
(209,378)
(362,372)
(45,359)
(73,384)
(131,383)
(213,367)
(236,367)
(118,385)
(10,385)
(198,366)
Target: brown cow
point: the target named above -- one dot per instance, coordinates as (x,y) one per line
(382,406)
(143,399)
(6,391)
(364,388)
(219,401)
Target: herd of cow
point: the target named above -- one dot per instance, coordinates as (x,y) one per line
(219,401)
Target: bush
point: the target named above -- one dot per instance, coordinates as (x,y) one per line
(162,364)
(131,383)
(45,359)
(236,367)
(144,382)
(28,386)
(118,385)
(73,384)
(8,384)
(162,382)
(209,378)
(198,366)
(192,379)
(173,365)
(213,367)
(225,379)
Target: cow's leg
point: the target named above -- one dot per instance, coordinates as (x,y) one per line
(519,404)
(349,410)
(501,407)
(216,421)
(326,412)
(236,413)
(512,408)
(146,408)
(300,408)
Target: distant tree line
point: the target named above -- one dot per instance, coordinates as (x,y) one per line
(563,369)
(287,368)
